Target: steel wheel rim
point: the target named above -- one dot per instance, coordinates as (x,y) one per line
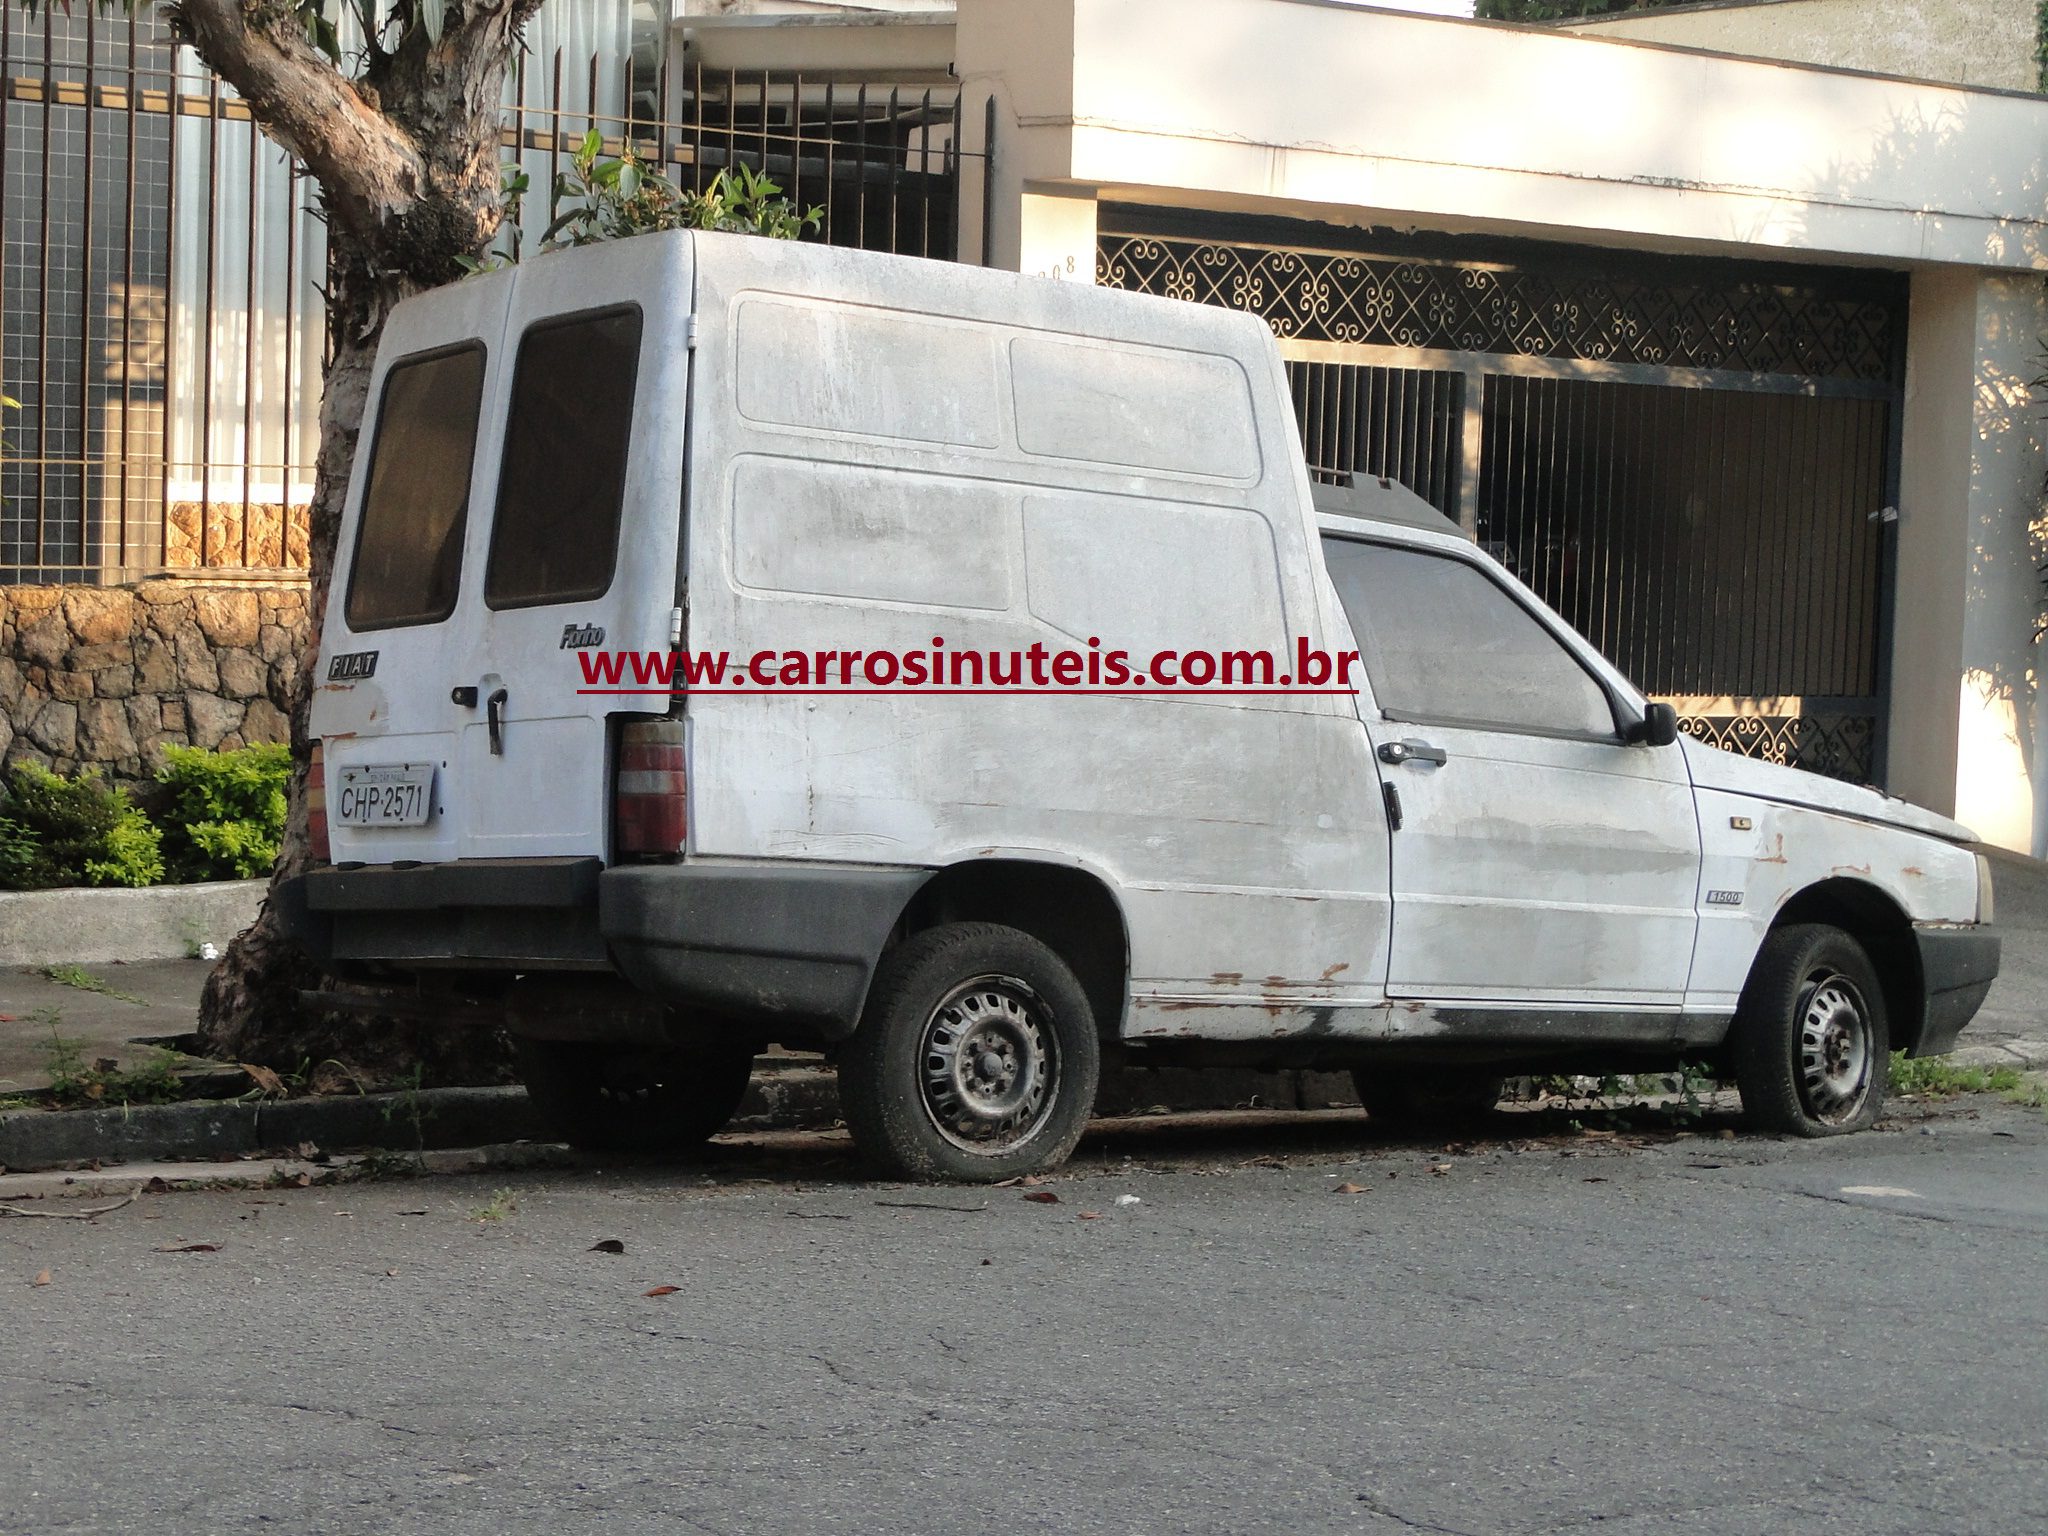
(1834,1050)
(988,1065)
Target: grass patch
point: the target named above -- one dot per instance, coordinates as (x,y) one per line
(76,1083)
(78,976)
(1936,1077)
(501,1204)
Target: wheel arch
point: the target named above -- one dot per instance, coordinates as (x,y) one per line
(1875,920)
(1073,910)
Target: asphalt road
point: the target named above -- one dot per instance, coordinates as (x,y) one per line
(1697,1334)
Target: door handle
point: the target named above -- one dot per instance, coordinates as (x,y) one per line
(1411,751)
(494,716)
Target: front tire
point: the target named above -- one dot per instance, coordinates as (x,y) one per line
(634,1098)
(976,1058)
(1811,1044)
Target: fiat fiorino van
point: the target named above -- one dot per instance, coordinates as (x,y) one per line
(736,642)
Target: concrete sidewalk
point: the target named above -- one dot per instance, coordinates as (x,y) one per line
(150,999)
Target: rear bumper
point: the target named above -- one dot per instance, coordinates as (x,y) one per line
(784,941)
(1958,963)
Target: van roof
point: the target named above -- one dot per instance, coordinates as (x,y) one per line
(1379,499)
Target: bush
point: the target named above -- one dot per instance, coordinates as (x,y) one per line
(82,831)
(223,813)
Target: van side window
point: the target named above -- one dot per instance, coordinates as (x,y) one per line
(1443,642)
(563,481)
(408,559)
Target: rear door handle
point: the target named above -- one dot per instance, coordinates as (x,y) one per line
(494,719)
(1412,751)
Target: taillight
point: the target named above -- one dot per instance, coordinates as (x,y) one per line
(648,801)
(316,807)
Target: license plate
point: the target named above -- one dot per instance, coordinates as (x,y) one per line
(384,795)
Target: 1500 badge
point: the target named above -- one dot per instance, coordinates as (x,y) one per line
(352,667)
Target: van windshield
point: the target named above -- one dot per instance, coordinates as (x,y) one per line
(408,559)
(556,536)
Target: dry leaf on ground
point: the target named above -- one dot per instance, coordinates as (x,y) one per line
(1043,1197)
(42,1277)
(608,1245)
(662,1290)
(188,1247)
(1348,1189)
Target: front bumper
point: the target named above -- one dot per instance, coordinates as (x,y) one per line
(784,941)
(1958,963)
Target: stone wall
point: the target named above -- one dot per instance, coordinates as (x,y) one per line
(107,677)
(213,533)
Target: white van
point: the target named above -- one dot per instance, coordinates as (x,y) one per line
(1459,845)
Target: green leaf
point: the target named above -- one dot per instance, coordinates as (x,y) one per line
(325,38)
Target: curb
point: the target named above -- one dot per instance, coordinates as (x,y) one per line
(2027,1055)
(85,925)
(781,1098)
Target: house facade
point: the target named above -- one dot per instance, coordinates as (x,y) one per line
(1727,356)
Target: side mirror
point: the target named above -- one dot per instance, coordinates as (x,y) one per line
(1657,728)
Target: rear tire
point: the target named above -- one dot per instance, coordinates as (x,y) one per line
(976,1058)
(1425,1098)
(1810,1045)
(634,1098)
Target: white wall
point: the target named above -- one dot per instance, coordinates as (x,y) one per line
(1971,42)
(1332,111)
(2001,786)
(1968,725)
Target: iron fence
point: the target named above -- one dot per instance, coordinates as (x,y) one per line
(161,322)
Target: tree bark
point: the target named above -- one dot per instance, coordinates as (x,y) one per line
(407,163)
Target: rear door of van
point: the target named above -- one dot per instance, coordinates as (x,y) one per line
(519,522)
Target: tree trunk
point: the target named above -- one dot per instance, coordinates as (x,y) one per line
(251,1009)
(407,163)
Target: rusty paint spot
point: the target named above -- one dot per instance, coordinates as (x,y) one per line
(1227,978)
(1341,965)
(1181,1005)
(1917,874)
(1850,869)
(1777,853)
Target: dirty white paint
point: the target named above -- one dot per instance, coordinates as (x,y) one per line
(924,468)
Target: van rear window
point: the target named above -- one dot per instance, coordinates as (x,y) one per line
(408,558)
(556,537)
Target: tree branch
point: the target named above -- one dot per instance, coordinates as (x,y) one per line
(370,170)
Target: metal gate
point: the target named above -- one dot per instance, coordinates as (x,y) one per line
(161,321)
(1690,461)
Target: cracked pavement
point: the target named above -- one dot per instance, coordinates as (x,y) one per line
(1554,1334)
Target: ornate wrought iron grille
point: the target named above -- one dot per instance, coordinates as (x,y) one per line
(1840,746)
(1306,295)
